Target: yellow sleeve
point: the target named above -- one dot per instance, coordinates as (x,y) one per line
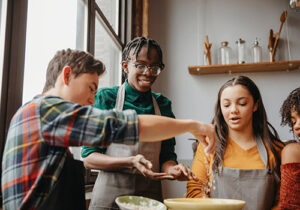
(202,169)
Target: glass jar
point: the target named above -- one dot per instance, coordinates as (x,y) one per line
(241,50)
(256,52)
(224,53)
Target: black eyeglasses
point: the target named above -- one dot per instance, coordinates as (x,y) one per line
(142,68)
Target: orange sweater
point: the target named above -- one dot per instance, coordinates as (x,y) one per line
(234,157)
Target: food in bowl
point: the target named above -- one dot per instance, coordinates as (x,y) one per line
(142,206)
(139,203)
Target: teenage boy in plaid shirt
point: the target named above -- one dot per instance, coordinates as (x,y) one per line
(38,171)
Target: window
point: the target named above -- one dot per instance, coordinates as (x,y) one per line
(49,29)
(110,9)
(109,38)
(110,53)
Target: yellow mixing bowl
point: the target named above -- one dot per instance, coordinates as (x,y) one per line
(204,203)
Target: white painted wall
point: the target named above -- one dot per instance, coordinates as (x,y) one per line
(180,26)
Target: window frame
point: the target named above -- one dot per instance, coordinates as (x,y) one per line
(123,22)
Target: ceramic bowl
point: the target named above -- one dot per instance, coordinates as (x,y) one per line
(204,203)
(131,202)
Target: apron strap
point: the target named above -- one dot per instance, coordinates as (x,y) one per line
(156,107)
(121,98)
(262,151)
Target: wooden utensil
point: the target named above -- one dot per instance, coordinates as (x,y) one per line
(277,35)
(271,44)
(271,39)
(207,47)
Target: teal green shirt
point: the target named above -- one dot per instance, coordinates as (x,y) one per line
(142,104)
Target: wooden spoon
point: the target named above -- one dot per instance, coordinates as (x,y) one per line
(277,35)
(271,39)
(207,47)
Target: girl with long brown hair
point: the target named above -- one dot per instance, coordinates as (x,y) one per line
(246,164)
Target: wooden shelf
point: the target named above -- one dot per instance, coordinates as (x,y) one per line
(246,67)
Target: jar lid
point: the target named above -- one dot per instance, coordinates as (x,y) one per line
(240,41)
(224,43)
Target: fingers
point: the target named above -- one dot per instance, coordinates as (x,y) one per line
(202,140)
(157,176)
(141,161)
(144,167)
(182,173)
(210,148)
(207,131)
(146,162)
(194,177)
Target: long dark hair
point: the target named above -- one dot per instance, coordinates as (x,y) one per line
(261,127)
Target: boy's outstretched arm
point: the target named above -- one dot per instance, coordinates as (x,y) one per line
(153,127)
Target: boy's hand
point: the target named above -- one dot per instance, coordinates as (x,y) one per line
(201,131)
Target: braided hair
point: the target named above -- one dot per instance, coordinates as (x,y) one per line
(136,44)
(291,103)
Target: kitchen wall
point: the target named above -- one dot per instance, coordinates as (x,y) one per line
(180,27)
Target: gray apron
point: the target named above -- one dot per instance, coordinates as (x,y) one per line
(110,185)
(255,186)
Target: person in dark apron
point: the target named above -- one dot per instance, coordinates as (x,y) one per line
(246,164)
(142,63)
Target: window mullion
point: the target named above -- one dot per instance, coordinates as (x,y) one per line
(91,27)
(108,27)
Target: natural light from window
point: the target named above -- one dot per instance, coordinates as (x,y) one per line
(3,5)
(51,26)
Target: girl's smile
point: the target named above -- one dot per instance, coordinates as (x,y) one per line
(141,81)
